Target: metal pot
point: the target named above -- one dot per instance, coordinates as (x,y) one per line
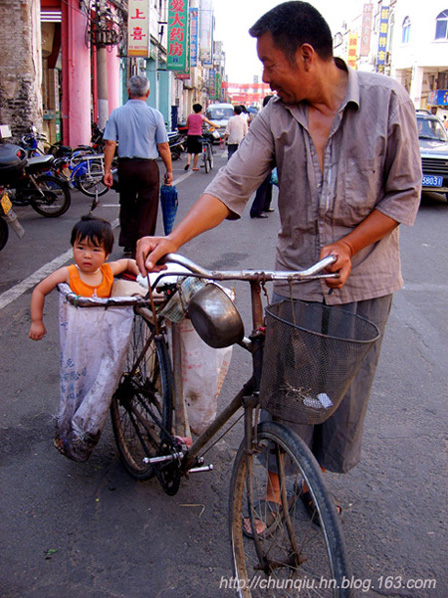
(215,317)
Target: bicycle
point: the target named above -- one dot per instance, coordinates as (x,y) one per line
(85,172)
(149,424)
(207,151)
(81,167)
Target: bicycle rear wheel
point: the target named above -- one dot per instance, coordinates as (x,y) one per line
(210,156)
(205,158)
(293,555)
(141,407)
(91,183)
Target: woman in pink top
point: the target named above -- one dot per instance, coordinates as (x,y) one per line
(194,123)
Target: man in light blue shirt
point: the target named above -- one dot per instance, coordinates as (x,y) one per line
(139,133)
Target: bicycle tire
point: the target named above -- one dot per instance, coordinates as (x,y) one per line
(205,160)
(210,156)
(56,200)
(141,407)
(91,183)
(318,558)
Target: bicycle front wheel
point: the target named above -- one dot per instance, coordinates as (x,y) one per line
(290,554)
(141,407)
(91,182)
(53,197)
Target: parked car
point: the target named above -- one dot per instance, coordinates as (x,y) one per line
(433,140)
(220,114)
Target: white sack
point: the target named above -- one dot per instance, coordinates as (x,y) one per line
(94,342)
(203,371)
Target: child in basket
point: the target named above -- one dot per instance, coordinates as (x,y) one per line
(92,241)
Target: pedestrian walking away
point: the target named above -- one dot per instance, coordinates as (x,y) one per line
(138,133)
(263,197)
(345,144)
(194,133)
(236,130)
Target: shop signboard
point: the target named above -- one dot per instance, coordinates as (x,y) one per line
(366,29)
(178,48)
(382,40)
(194,31)
(439,97)
(138,28)
(206,33)
(352,57)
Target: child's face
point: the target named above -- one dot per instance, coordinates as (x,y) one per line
(88,257)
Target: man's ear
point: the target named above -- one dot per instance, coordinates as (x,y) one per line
(305,54)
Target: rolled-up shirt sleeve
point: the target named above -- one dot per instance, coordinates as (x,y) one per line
(403,173)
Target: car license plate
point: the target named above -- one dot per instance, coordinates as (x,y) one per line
(432,181)
(6,203)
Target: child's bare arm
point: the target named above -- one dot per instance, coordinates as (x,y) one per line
(38,330)
(125,265)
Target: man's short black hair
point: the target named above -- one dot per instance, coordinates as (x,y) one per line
(97,230)
(197,108)
(292,24)
(237,109)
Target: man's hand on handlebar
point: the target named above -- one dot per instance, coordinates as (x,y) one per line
(150,250)
(342,265)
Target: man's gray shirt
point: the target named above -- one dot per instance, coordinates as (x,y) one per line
(371,161)
(138,129)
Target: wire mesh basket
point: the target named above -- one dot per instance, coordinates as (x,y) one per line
(312,352)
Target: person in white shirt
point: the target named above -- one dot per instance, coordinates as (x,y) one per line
(236,129)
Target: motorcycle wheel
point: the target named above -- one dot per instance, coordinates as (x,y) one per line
(4,233)
(55,200)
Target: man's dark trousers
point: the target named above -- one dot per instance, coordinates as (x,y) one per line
(139,199)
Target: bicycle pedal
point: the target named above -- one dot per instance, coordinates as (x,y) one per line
(201,468)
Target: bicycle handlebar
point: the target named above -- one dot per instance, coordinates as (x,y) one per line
(311,273)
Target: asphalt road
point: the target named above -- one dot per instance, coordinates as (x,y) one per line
(90,531)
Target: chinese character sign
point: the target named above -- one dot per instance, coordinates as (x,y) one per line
(206,33)
(366,29)
(138,28)
(194,24)
(382,39)
(352,50)
(177,52)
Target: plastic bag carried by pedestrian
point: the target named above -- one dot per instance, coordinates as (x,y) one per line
(169,202)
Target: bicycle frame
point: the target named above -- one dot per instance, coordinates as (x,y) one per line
(247,397)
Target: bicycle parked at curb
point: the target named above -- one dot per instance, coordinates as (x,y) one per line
(81,167)
(148,411)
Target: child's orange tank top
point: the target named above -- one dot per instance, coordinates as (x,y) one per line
(83,289)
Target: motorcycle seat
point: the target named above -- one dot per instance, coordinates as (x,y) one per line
(38,164)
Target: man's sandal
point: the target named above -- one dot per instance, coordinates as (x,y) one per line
(310,507)
(268,512)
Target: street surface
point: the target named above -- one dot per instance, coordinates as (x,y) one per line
(90,531)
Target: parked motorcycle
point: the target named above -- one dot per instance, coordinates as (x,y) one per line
(8,218)
(177,143)
(29,184)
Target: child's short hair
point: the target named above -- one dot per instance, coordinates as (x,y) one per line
(97,230)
